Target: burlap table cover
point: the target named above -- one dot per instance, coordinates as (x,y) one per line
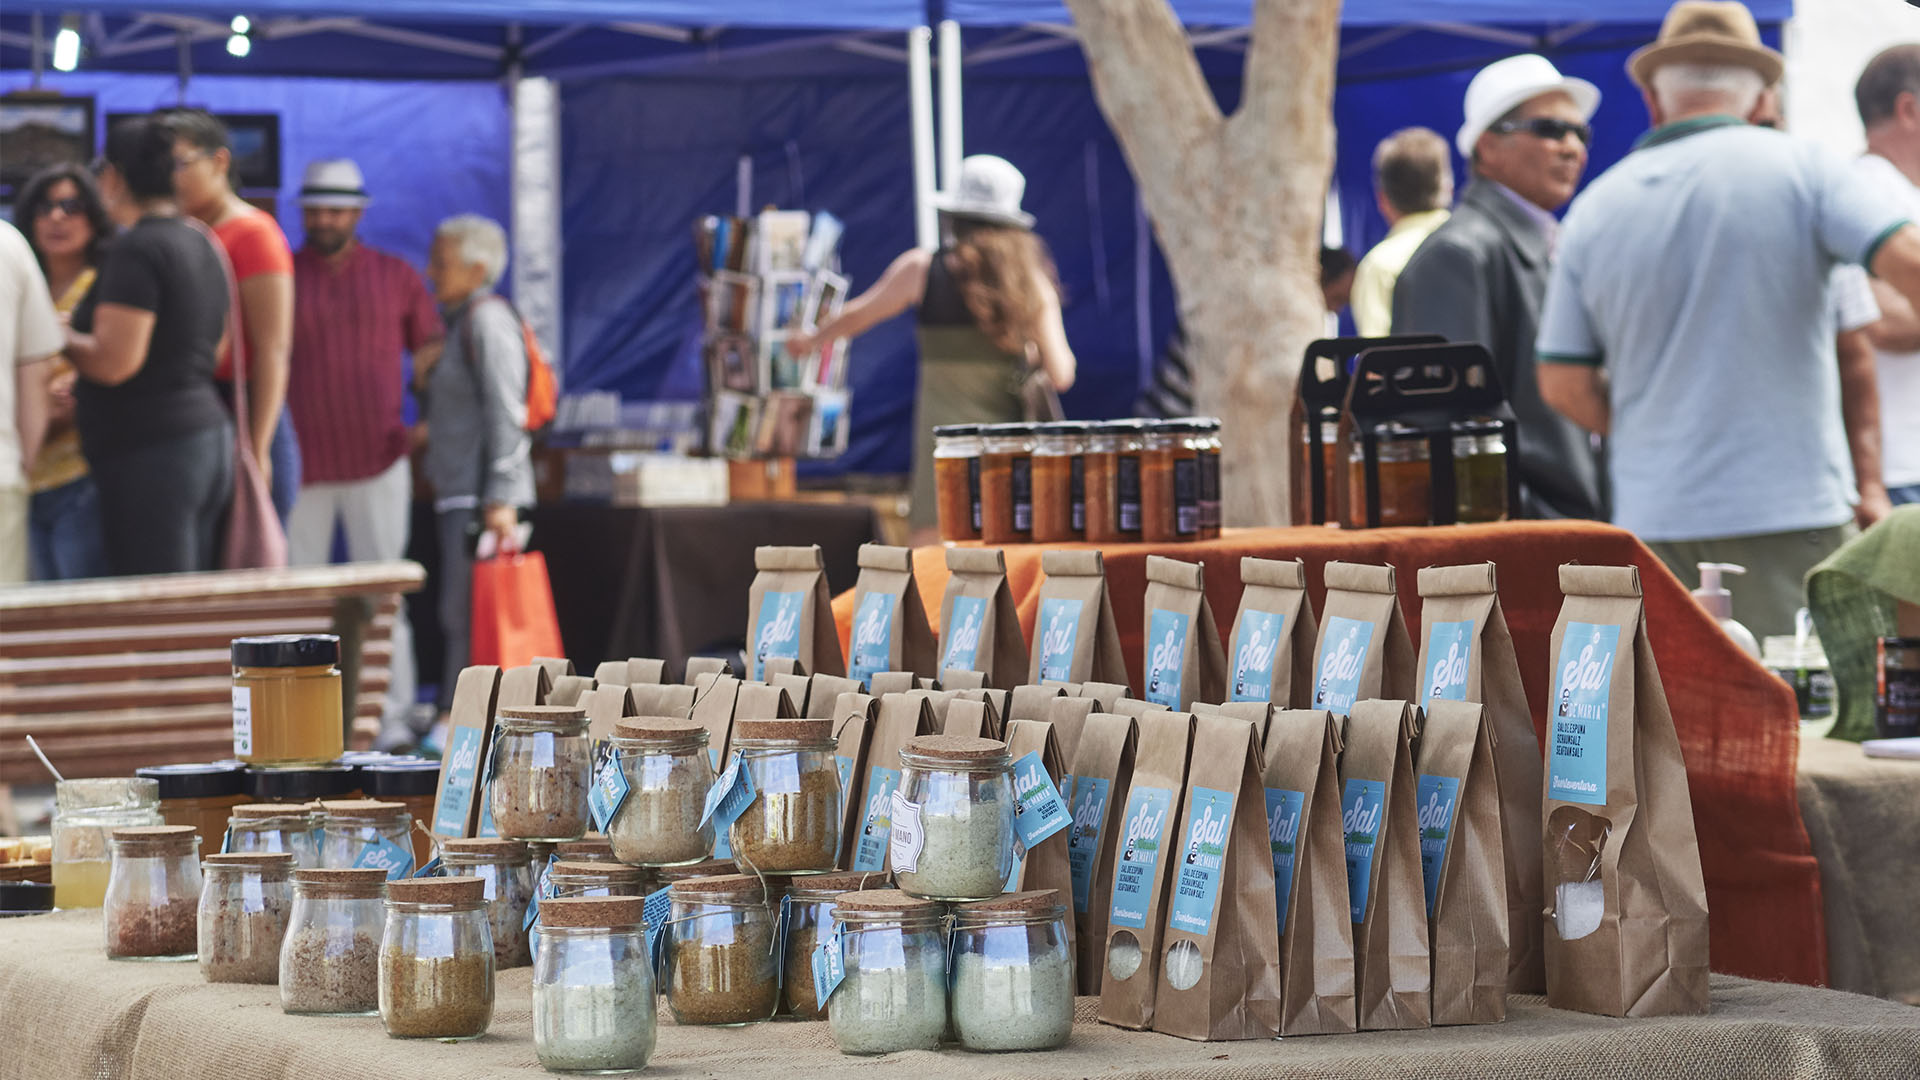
(69,1012)
(1863,817)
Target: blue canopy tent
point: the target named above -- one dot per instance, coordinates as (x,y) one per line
(660,107)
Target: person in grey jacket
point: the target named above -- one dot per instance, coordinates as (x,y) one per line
(478,455)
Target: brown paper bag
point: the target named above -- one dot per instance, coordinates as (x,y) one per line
(569,689)
(822,695)
(1363,650)
(1069,719)
(1387,900)
(606,706)
(1257,713)
(759,701)
(1318,991)
(1626,917)
(938,702)
(611,673)
(1101,772)
(790,613)
(974,719)
(1075,637)
(794,684)
(890,631)
(1045,866)
(713,705)
(1105,693)
(1270,652)
(1000,700)
(777,666)
(1466,654)
(1135,707)
(456,805)
(901,718)
(1143,864)
(1182,660)
(1220,957)
(1458,796)
(705,665)
(956,679)
(555,666)
(892,682)
(853,715)
(528,684)
(1032,702)
(643,671)
(1068,688)
(661,699)
(979,627)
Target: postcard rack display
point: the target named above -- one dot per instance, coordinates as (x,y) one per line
(762,279)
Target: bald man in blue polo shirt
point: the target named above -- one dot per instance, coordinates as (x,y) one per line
(1687,318)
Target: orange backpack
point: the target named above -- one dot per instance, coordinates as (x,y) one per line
(543,389)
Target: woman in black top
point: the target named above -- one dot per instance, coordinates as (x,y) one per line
(145,343)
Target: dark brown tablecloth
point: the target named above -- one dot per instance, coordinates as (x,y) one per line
(1863,817)
(672,582)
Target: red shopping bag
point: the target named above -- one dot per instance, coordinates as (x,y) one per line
(513,617)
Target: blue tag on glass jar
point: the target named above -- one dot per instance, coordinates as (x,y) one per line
(729,796)
(609,792)
(384,854)
(829,964)
(656,909)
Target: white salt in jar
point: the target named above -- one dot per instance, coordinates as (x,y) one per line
(1012,973)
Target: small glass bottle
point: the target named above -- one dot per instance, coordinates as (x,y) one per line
(245,903)
(953,823)
(894,996)
(721,958)
(85,814)
(367,833)
(276,828)
(668,775)
(506,869)
(436,960)
(956,481)
(1059,499)
(1101,463)
(286,700)
(1479,471)
(792,826)
(202,796)
(542,770)
(1212,511)
(330,960)
(1406,496)
(1012,973)
(594,1008)
(153,893)
(1006,483)
(594,879)
(810,905)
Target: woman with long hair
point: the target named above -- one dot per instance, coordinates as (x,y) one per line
(66,224)
(988,316)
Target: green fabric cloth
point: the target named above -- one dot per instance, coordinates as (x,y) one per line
(964,379)
(1853,595)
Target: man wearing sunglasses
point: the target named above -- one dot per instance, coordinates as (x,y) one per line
(1481,276)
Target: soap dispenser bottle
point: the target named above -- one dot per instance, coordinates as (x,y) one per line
(1719,603)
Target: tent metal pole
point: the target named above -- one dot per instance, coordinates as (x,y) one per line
(920,96)
(951,144)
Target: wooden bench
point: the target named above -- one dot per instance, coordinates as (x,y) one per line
(115,673)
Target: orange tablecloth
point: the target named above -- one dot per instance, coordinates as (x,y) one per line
(1738,724)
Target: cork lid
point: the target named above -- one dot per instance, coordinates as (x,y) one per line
(278,863)
(363,809)
(581,872)
(545,717)
(437,890)
(662,729)
(362,883)
(594,911)
(593,847)
(731,888)
(250,811)
(157,839)
(704,868)
(803,731)
(875,904)
(485,847)
(828,886)
(1037,904)
(958,749)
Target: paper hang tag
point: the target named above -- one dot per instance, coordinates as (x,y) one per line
(429,870)
(829,964)
(780,940)
(1038,809)
(656,909)
(541,888)
(906,839)
(386,855)
(729,796)
(609,792)
(226,841)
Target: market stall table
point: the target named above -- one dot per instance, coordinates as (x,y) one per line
(70,1012)
(1738,724)
(1861,816)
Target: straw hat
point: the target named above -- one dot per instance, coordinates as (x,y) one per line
(990,190)
(334,184)
(1707,32)
(1503,85)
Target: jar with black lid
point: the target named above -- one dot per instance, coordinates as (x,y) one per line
(312,783)
(287,699)
(202,796)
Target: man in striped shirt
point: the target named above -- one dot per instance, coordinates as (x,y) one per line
(358,312)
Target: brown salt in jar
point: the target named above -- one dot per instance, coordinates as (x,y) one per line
(1006,483)
(244,907)
(153,893)
(792,826)
(436,959)
(542,764)
(329,962)
(720,952)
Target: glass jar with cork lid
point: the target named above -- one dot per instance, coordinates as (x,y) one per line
(668,774)
(1012,973)
(276,828)
(593,847)
(594,1007)
(792,826)
(722,961)
(412,783)
(436,960)
(330,960)
(505,868)
(153,893)
(367,833)
(894,995)
(542,770)
(566,879)
(810,906)
(286,699)
(953,818)
(86,811)
(245,903)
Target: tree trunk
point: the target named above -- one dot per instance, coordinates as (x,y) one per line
(1236,203)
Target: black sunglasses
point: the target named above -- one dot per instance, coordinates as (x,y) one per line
(1546,127)
(69,207)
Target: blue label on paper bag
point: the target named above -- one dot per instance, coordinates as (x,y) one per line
(1089,802)
(1343,656)
(777,635)
(462,766)
(1058,629)
(1439,802)
(1166,652)
(1144,832)
(876,827)
(1038,809)
(729,796)
(1283,836)
(1449,653)
(1582,685)
(384,854)
(1203,860)
(1255,644)
(609,792)
(872,637)
(965,625)
(1363,809)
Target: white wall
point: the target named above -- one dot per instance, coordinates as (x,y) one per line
(1827,43)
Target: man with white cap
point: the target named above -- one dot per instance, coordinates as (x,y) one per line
(357,313)
(1688,318)
(1480,277)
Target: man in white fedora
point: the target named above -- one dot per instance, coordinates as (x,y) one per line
(1480,277)
(358,313)
(1688,318)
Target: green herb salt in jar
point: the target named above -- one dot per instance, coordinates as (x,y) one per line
(1012,973)
(894,996)
(952,835)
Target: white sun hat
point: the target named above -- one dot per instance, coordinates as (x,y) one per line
(335,184)
(1505,84)
(990,190)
